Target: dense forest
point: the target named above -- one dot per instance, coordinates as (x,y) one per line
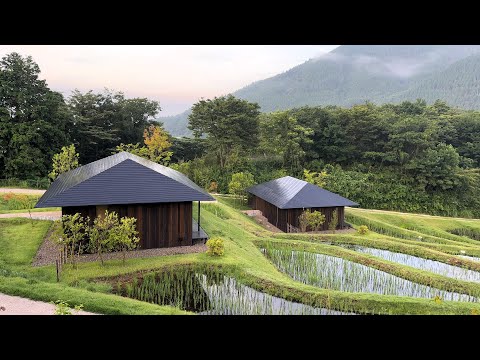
(35,122)
(411,156)
(353,74)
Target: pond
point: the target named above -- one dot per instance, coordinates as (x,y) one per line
(211,293)
(335,273)
(436,267)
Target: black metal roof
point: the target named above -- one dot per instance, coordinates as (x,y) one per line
(122,178)
(291,193)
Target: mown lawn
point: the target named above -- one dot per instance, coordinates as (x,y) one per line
(19,241)
(244,260)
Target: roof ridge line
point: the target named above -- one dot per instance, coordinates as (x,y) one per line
(82,181)
(306,183)
(88,178)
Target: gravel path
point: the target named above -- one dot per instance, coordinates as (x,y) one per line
(48,252)
(22,191)
(15,305)
(42,215)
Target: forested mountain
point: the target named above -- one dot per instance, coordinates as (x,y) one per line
(177,124)
(353,74)
(459,84)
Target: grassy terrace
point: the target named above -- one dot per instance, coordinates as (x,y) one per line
(19,239)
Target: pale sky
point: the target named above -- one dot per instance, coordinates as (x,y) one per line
(175,75)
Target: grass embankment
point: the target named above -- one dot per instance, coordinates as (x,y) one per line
(243,260)
(93,302)
(415,227)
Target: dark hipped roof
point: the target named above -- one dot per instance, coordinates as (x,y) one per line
(122,178)
(291,193)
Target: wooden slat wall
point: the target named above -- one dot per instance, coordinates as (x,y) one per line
(159,225)
(84,211)
(280,217)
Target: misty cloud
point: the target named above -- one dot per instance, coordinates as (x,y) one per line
(400,66)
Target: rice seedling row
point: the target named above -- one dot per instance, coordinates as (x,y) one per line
(335,273)
(208,292)
(436,267)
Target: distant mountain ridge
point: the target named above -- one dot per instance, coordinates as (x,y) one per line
(353,74)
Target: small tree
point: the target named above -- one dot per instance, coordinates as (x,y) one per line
(65,160)
(134,149)
(156,148)
(334,222)
(312,219)
(157,141)
(100,234)
(70,233)
(315,178)
(303,221)
(124,236)
(315,220)
(239,183)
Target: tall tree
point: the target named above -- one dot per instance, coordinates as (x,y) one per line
(228,123)
(282,134)
(437,168)
(33,119)
(104,120)
(185,149)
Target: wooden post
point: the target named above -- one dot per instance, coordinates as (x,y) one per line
(276,224)
(198,218)
(58,277)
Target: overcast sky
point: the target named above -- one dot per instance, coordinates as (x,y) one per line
(175,75)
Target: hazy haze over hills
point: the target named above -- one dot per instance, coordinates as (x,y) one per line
(353,74)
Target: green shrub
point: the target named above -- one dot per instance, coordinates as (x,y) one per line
(63,308)
(362,229)
(312,219)
(216,247)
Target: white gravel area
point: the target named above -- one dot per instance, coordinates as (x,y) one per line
(15,305)
(41,215)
